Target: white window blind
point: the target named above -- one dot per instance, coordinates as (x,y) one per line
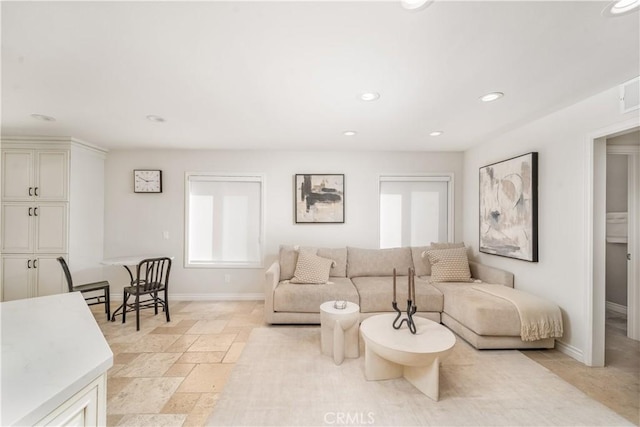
(415,210)
(223,220)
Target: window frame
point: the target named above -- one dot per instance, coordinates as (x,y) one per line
(424,177)
(225,177)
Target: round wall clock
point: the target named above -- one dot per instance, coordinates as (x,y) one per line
(147,181)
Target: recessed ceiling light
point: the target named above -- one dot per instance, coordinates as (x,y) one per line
(369,96)
(436,133)
(416,4)
(43,117)
(156,119)
(349,132)
(491,96)
(621,7)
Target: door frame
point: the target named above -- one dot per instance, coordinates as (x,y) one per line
(595,233)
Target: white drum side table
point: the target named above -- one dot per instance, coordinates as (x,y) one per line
(339,331)
(391,353)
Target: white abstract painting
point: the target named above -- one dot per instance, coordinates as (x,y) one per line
(508,208)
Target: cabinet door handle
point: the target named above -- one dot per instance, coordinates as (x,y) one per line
(30,191)
(29,263)
(30,212)
(35,211)
(35,191)
(35,263)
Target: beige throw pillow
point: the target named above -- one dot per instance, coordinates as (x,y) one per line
(312,269)
(449,265)
(420,259)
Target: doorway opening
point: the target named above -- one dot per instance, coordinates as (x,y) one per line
(618,140)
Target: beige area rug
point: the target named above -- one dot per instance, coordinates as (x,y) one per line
(283,379)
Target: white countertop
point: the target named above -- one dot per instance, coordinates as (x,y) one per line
(51,348)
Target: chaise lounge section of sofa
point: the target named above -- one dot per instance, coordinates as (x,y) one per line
(365,277)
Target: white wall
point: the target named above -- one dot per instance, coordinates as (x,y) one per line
(134,223)
(86,214)
(561,140)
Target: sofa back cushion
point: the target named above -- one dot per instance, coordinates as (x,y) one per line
(420,263)
(288,261)
(378,262)
(339,257)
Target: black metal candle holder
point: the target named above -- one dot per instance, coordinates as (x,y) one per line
(411,310)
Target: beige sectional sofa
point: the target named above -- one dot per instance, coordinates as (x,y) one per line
(365,277)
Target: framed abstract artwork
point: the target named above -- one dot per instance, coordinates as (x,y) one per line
(319,198)
(509,208)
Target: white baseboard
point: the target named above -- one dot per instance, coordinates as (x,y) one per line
(206,297)
(617,308)
(570,351)
(217,297)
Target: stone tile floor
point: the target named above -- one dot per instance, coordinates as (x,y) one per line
(171,374)
(617,384)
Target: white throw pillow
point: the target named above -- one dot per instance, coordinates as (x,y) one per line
(311,269)
(449,265)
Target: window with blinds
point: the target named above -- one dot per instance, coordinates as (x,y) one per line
(223,217)
(415,210)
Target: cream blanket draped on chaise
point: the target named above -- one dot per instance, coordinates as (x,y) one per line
(539,318)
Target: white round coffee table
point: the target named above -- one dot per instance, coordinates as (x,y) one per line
(391,353)
(339,331)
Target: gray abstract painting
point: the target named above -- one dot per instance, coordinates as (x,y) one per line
(508,208)
(319,198)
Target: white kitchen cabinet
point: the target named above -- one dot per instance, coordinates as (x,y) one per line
(16,277)
(84,409)
(35,174)
(25,276)
(52,205)
(34,227)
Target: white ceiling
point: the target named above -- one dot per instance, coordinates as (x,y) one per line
(285,75)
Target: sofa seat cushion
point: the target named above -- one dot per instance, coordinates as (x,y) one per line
(376,294)
(483,313)
(306,298)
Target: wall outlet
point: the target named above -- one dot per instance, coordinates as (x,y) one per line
(227,278)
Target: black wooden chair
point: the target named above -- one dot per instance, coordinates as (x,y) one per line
(89,287)
(152,278)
